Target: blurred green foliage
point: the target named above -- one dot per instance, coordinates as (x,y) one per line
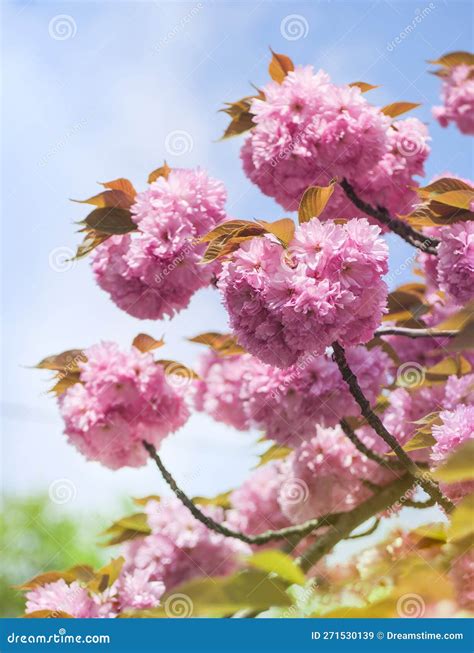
(37,535)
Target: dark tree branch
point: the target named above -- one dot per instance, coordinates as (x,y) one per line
(301,530)
(349,521)
(369,531)
(416,333)
(410,503)
(402,229)
(422,478)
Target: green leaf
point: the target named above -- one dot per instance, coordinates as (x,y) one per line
(421,440)
(462,520)
(398,108)
(314,201)
(112,221)
(275,452)
(106,577)
(221,596)
(222,500)
(279,563)
(459,466)
(127,528)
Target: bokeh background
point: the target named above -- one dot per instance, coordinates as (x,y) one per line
(98,90)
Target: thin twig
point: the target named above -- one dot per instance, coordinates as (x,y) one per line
(349,521)
(360,446)
(369,531)
(402,229)
(283,533)
(410,503)
(416,333)
(422,478)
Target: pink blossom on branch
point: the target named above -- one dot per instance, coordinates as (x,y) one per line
(308,128)
(153,272)
(180,547)
(329,288)
(326,475)
(287,404)
(123,398)
(309,131)
(458,99)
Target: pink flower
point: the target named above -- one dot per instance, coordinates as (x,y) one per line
(180,547)
(330,289)
(61,597)
(286,404)
(220,390)
(457,427)
(154,271)
(456,261)
(256,500)
(138,591)
(457,94)
(325,475)
(309,130)
(462,575)
(123,398)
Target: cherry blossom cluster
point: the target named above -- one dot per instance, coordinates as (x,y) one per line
(287,404)
(327,287)
(309,131)
(122,399)
(154,271)
(452,270)
(458,99)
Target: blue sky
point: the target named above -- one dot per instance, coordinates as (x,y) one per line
(100,104)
